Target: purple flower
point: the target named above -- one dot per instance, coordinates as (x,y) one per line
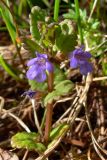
(79,58)
(38,67)
(29,93)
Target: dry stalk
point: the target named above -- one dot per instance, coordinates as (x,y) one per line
(23,125)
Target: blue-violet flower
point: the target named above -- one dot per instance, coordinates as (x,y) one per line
(79,58)
(29,93)
(38,67)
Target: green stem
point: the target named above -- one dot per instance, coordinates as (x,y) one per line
(43,120)
(56,10)
(49,110)
(78,21)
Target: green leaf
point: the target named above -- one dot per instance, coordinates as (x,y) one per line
(104,66)
(61,89)
(32,46)
(48,34)
(55,95)
(22,7)
(66,37)
(70,15)
(37,15)
(27,141)
(64,87)
(8,19)
(59,75)
(60,132)
(9,69)
(56,131)
(30,3)
(37,86)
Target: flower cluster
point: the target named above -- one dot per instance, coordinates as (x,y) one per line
(38,67)
(79,58)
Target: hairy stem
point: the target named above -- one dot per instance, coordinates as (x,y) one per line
(49,110)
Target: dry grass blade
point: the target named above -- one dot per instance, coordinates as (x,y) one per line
(1,103)
(23,125)
(97,147)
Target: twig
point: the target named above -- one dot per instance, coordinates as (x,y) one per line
(67,111)
(92,10)
(25,155)
(36,117)
(95,143)
(18,120)
(1,103)
(100,78)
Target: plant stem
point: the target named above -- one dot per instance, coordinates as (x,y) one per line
(17,34)
(48,121)
(79,21)
(20,56)
(56,10)
(49,110)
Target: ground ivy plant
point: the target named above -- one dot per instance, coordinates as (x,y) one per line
(51,43)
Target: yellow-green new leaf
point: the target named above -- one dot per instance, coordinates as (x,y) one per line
(28,141)
(8,19)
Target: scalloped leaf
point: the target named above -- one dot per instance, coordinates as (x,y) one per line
(64,87)
(27,141)
(37,15)
(61,89)
(48,34)
(66,37)
(55,95)
(38,86)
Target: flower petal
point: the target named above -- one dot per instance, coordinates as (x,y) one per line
(81,55)
(39,55)
(76,51)
(31,73)
(86,68)
(31,62)
(88,54)
(41,76)
(49,66)
(73,62)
